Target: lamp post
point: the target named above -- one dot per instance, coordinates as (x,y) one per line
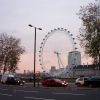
(34,48)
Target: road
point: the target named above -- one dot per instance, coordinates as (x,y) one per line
(28,92)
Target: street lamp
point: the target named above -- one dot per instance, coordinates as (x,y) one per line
(34,48)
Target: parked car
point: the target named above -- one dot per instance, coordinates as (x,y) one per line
(54,83)
(93,82)
(11,79)
(81,81)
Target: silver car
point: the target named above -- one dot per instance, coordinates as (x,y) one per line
(80,81)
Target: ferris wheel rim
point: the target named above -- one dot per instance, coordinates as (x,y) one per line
(44,42)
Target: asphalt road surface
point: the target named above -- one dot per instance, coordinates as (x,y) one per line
(28,92)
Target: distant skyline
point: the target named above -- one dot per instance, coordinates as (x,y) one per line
(15,15)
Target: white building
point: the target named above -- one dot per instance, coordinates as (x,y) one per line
(74,58)
(98,10)
(55,72)
(98,2)
(86,70)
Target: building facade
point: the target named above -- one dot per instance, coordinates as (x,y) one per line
(86,70)
(74,58)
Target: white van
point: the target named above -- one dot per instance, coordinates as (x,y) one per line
(12,79)
(5,77)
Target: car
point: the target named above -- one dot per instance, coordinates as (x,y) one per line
(17,81)
(93,81)
(11,79)
(80,81)
(5,77)
(54,83)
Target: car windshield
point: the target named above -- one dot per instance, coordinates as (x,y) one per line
(58,80)
(79,79)
(82,78)
(94,78)
(17,78)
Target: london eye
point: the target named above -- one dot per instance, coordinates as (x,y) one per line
(60,40)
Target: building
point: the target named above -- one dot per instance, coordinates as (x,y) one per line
(86,70)
(98,2)
(74,58)
(98,10)
(55,72)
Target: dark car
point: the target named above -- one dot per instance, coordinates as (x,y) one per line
(54,83)
(93,82)
(15,81)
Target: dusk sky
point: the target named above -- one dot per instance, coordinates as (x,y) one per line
(15,15)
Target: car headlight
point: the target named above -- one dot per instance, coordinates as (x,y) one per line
(63,83)
(23,81)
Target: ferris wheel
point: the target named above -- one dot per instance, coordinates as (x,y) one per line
(45,45)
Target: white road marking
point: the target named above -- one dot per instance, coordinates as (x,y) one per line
(38,98)
(86,88)
(6,94)
(69,93)
(61,93)
(78,94)
(25,91)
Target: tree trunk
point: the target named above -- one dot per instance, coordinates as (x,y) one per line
(4,69)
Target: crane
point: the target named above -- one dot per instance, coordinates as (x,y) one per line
(59,59)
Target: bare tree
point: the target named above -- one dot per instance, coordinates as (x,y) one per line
(10,51)
(90,32)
